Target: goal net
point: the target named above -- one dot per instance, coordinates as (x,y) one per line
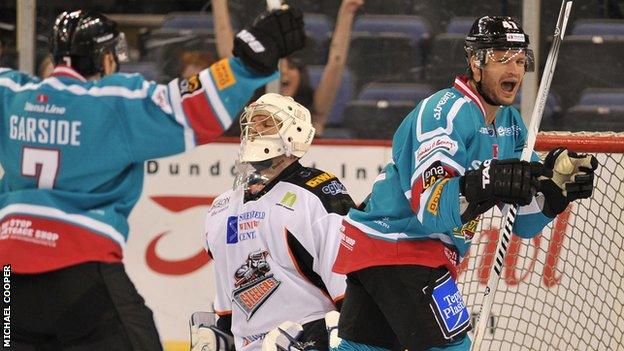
(563,289)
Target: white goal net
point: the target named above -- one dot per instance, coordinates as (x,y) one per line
(563,289)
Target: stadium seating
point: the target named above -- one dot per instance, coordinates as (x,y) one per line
(395,92)
(415,27)
(445,60)
(604,97)
(190,20)
(372,119)
(384,58)
(552,109)
(166,49)
(588,61)
(593,118)
(317,26)
(344,94)
(460,25)
(600,27)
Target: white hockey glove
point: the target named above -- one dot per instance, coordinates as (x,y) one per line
(572,178)
(205,336)
(285,338)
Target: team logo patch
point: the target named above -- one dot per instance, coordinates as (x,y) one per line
(222,74)
(253,283)
(434,202)
(448,307)
(468,230)
(232,230)
(319,179)
(189,85)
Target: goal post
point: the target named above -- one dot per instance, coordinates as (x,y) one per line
(563,289)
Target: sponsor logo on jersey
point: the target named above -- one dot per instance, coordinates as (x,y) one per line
(189,85)
(288,201)
(253,283)
(320,179)
(334,188)
(219,206)
(26,230)
(439,143)
(244,226)
(508,131)
(434,201)
(437,111)
(47,108)
(222,74)
(345,240)
(432,174)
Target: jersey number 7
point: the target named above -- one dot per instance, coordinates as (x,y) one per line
(42,164)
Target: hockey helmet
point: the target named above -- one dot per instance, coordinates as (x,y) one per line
(490,33)
(274,125)
(80,39)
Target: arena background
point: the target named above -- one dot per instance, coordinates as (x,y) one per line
(165,256)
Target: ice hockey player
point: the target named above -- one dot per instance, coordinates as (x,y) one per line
(453,158)
(275,235)
(73,147)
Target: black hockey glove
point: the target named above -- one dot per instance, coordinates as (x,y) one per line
(272,35)
(572,178)
(509,181)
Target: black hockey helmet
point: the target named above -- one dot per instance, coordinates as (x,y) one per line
(80,38)
(497,33)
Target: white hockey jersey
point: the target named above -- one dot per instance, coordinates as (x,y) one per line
(273,256)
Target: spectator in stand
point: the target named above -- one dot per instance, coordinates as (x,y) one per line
(295,81)
(194,62)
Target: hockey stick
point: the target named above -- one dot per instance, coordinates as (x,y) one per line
(510,218)
(273,86)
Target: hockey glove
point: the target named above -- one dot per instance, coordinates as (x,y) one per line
(286,338)
(273,35)
(509,181)
(572,178)
(205,336)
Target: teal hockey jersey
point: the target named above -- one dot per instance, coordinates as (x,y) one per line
(413,213)
(73,151)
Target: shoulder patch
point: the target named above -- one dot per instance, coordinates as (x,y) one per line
(320,179)
(189,85)
(222,74)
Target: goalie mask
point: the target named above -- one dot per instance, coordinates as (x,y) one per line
(272,126)
(489,33)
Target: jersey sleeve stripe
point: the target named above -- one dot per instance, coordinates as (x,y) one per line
(215,99)
(201,117)
(178,113)
(449,121)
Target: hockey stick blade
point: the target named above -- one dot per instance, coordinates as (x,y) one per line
(510,217)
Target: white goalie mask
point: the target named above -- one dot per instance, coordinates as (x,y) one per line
(274,125)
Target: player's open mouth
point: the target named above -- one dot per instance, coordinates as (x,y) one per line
(284,83)
(509,85)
